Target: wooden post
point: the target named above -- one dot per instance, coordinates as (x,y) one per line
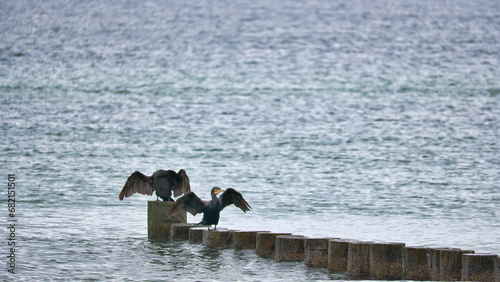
(289,247)
(218,239)
(265,245)
(434,260)
(245,240)
(386,261)
(358,258)
(451,264)
(180,231)
(479,267)
(316,251)
(415,264)
(158,223)
(196,234)
(338,250)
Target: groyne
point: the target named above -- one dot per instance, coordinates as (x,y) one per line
(357,259)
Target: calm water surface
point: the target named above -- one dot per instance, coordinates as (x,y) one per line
(371,120)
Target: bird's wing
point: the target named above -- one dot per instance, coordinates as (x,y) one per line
(189,202)
(231,196)
(137,183)
(182,185)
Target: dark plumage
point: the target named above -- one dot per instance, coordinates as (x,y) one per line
(210,209)
(162,181)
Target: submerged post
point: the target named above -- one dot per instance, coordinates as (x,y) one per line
(416,264)
(358,258)
(316,251)
(265,245)
(338,250)
(386,260)
(158,223)
(451,264)
(245,240)
(218,239)
(196,234)
(479,267)
(289,247)
(180,231)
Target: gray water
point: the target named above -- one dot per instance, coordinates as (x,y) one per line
(370,120)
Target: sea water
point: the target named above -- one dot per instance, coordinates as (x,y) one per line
(370,120)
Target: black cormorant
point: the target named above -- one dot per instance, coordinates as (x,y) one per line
(162,181)
(210,209)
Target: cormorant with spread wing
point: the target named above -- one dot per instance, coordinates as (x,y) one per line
(210,209)
(162,181)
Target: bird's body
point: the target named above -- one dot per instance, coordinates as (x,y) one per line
(210,209)
(163,182)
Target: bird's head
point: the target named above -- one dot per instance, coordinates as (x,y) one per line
(217,190)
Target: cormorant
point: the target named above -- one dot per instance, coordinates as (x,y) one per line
(162,181)
(210,209)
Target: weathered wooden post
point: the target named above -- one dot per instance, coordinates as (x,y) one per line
(451,264)
(479,267)
(180,231)
(338,250)
(196,234)
(158,223)
(265,245)
(415,264)
(316,251)
(358,258)
(386,261)
(245,240)
(218,239)
(289,247)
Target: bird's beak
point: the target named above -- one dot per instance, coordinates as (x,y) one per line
(218,191)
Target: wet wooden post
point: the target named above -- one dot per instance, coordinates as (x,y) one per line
(434,261)
(158,223)
(479,267)
(196,234)
(180,231)
(265,245)
(289,247)
(338,250)
(358,258)
(218,239)
(450,267)
(316,251)
(245,240)
(498,270)
(386,261)
(415,263)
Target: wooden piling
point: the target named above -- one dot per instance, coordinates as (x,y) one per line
(479,267)
(218,239)
(338,250)
(316,251)
(386,261)
(265,243)
(358,258)
(180,231)
(451,264)
(196,234)
(289,247)
(415,263)
(245,240)
(158,223)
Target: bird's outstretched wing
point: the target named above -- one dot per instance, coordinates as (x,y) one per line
(231,196)
(137,183)
(189,202)
(182,185)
